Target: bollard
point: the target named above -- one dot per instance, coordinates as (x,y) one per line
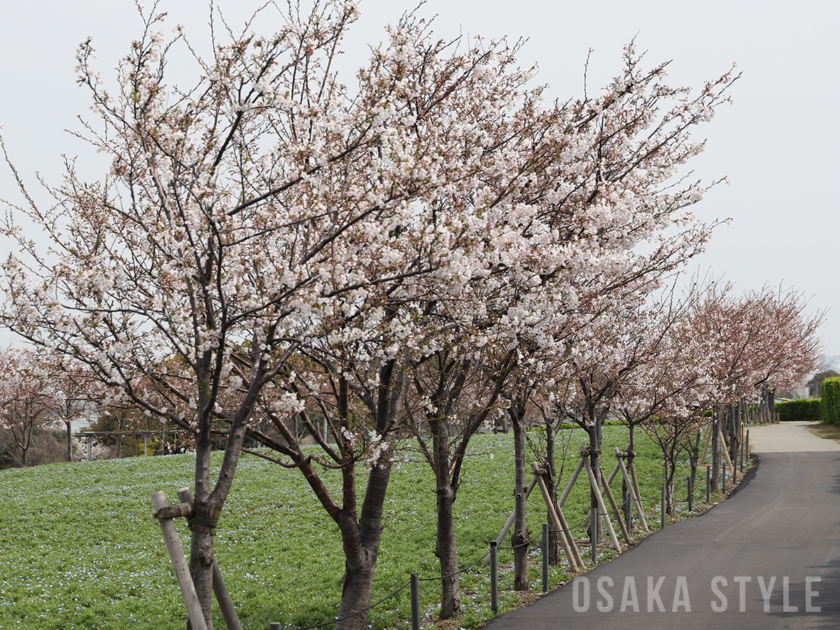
(690,494)
(90,446)
(662,513)
(723,477)
(494,579)
(145,446)
(708,484)
(747,444)
(415,602)
(735,465)
(545,557)
(275,625)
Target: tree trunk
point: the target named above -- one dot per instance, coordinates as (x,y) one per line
(671,471)
(521,535)
(69,443)
(120,439)
(715,456)
(446,550)
(594,431)
(626,492)
(693,459)
(201,571)
(361,540)
(26,442)
(553,544)
(445,544)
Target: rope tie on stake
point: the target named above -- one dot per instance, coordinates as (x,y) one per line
(204,516)
(174,511)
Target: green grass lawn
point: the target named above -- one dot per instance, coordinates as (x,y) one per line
(79,547)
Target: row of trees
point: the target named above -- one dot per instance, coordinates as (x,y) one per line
(404,262)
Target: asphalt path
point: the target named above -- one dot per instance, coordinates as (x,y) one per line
(768,557)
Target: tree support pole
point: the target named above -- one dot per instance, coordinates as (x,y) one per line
(614,505)
(182,572)
(219,587)
(706,443)
(637,500)
(510,520)
(600,499)
(565,536)
(725,450)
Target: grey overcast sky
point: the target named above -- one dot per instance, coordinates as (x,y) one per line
(777,143)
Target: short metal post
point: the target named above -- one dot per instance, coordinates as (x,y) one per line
(90,448)
(545,557)
(662,512)
(690,494)
(747,444)
(326,437)
(494,579)
(415,602)
(145,446)
(723,476)
(275,625)
(708,484)
(628,512)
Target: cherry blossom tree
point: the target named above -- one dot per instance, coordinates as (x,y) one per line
(258,221)
(26,401)
(271,243)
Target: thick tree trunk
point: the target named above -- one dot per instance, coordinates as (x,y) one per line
(201,571)
(715,456)
(520,530)
(26,442)
(447,552)
(445,545)
(361,546)
(550,440)
(625,491)
(669,489)
(594,431)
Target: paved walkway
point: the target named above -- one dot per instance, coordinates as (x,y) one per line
(788,437)
(767,558)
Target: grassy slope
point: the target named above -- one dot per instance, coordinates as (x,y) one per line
(79,547)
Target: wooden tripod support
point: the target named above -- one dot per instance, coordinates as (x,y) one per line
(165,513)
(559,521)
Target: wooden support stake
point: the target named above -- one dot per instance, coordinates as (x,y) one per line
(600,499)
(568,530)
(569,485)
(632,471)
(614,505)
(637,500)
(219,587)
(555,519)
(725,450)
(510,520)
(609,481)
(706,443)
(182,572)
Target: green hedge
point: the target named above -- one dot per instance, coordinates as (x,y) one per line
(830,408)
(805,409)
